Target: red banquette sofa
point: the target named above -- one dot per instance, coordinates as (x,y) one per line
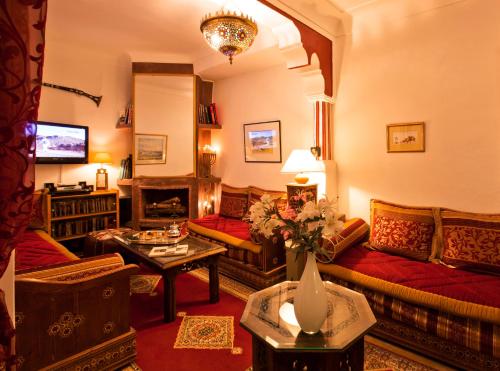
(432,278)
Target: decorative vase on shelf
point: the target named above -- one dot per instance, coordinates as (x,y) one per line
(310,303)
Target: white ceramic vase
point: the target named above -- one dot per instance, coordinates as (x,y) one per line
(310,302)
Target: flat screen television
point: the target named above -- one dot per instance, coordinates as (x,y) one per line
(61,143)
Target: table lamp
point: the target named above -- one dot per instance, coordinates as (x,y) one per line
(101,177)
(301,161)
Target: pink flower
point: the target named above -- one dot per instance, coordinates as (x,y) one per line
(289,213)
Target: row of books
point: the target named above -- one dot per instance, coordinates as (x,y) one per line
(126,168)
(126,120)
(207,114)
(62,208)
(82,226)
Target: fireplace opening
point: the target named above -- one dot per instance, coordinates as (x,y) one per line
(166,203)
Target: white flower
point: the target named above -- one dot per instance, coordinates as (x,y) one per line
(269,226)
(312,226)
(309,211)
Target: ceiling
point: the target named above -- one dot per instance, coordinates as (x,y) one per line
(350,5)
(168,30)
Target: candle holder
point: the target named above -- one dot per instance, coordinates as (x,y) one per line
(208,159)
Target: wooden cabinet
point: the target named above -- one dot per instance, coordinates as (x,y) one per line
(70,217)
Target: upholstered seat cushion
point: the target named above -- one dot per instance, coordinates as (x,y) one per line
(38,249)
(457,291)
(229,230)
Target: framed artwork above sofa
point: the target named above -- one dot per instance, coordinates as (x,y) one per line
(262,141)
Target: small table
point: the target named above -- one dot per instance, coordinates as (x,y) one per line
(201,253)
(279,344)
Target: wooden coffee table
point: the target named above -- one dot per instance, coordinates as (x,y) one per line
(201,253)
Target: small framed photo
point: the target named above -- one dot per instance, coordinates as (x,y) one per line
(262,141)
(150,149)
(407,137)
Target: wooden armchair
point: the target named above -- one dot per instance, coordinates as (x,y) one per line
(75,315)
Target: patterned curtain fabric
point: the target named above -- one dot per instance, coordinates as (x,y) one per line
(22,34)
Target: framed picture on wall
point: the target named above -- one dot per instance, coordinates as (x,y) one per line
(150,149)
(262,141)
(408,137)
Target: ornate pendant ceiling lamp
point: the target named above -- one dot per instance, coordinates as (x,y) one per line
(229,33)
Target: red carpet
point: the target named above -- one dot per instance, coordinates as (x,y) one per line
(155,339)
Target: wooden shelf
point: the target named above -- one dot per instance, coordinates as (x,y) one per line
(124,182)
(209,126)
(78,216)
(123,126)
(72,237)
(83,195)
(70,217)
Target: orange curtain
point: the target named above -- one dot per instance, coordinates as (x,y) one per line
(22,42)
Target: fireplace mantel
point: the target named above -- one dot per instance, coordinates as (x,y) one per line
(198,189)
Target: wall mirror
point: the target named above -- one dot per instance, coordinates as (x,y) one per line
(164,120)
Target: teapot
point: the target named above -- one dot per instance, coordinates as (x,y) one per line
(174,230)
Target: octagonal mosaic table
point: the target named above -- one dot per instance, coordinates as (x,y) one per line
(279,344)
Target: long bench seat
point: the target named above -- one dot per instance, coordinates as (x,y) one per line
(423,302)
(257,262)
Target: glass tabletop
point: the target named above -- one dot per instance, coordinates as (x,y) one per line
(269,315)
(196,248)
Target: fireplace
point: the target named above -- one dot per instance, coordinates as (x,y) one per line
(158,202)
(168,203)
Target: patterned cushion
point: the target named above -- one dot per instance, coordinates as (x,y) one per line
(402,230)
(256,193)
(233,202)
(39,211)
(470,240)
(355,230)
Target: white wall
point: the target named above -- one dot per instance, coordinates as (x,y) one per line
(271,94)
(98,73)
(437,64)
(163,105)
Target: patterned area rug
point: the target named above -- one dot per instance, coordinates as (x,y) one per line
(144,284)
(379,355)
(206,332)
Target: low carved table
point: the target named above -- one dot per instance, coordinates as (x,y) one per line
(279,344)
(200,254)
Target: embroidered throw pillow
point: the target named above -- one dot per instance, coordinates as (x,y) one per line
(233,202)
(402,230)
(256,193)
(354,231)
(470,240)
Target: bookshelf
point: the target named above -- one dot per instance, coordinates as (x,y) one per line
(204,130)
(72,217)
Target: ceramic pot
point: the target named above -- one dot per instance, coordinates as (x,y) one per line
(310,302)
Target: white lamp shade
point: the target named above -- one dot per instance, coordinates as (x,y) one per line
(302,160)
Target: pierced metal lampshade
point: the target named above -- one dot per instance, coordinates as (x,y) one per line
(229,33)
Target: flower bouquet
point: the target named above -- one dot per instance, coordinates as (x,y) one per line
(303,228)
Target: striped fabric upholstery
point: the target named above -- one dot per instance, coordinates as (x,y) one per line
(479,335)
(355,230)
